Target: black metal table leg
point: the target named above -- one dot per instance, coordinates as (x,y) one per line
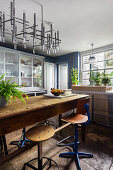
(1,143)
(5,145)
(60,122)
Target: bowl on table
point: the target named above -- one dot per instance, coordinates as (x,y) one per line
(57,92)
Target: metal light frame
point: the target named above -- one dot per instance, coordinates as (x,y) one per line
(48,40)
(91,62)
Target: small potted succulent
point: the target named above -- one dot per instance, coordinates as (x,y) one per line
(9,91)
(74,76)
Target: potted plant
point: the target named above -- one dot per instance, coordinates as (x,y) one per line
(74,76)
(9,91)
(96,78)
(106,78)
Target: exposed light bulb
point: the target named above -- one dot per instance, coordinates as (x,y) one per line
(33,50)
(55,50)
(49,52)
(24,40)
(0,38)
(3,39)
(58,48)
(43,47)
(51,46)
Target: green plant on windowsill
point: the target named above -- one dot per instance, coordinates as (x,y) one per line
(96,78)
(106,78)
(74,76)
(9,91)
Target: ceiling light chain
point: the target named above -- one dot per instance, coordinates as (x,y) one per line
(48,40)
(92,57)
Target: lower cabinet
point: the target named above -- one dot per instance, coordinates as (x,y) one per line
(103,109)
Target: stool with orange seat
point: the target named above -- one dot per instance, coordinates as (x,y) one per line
(82,116)
(39,134)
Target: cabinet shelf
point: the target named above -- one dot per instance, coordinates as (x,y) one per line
(10,64)
(26,77)
(26,66)
(11,76)
(37,77)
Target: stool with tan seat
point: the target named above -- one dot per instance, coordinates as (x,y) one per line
(82,116)
(39,134)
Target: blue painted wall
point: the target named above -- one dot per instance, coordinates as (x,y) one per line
(72,61)
(50,59)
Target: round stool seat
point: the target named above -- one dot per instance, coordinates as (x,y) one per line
(40,133)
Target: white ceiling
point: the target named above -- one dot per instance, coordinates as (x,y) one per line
(80,22)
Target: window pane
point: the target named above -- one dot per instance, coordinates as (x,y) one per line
(86,67)
(85,75)
(1,69)
(103,62)
(100,56)
(109,55)
(109,64)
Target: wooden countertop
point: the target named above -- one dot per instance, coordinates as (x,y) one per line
(18,115)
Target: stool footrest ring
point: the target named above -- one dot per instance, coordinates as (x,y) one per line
(43,166)
(69,144)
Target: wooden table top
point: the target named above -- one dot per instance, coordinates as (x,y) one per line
(18,115)
(34,103)
(36,109)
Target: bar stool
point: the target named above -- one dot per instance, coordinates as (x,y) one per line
(39,134)
(79,118)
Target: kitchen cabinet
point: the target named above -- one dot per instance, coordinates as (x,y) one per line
(22,68)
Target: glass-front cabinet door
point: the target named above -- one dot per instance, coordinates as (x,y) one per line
(37,72)
(22,68)
(1,63)
(26,70)
(12,67)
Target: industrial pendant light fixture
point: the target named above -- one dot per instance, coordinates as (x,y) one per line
(92,57)
(47,39)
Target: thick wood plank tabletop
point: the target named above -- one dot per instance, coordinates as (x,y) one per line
(18,115)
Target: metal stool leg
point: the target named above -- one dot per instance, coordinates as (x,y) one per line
(75,154)
(40,158)
(21,142)
(77,162)
(40,155)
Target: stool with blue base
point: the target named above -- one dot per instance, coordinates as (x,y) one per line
(22,141)
(78,118)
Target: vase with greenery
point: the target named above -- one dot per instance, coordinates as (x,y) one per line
(96,78)
(9,91)
(106,78)
(74,76)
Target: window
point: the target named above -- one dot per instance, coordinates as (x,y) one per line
(104,62)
